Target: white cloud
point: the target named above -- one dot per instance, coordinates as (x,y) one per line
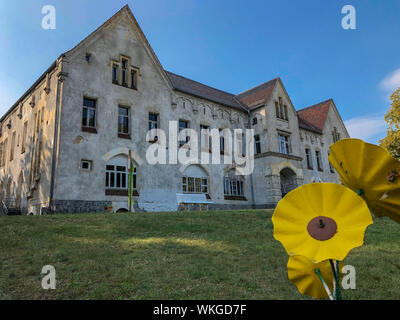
(391,81)
(369,128)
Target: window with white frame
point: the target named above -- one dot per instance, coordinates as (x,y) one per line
(86,165)
(194,180)
(117,174)
(284,144)
(233,185)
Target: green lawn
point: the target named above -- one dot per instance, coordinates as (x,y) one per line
(189,255)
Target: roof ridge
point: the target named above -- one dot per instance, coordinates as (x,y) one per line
(98,28)
(314,105)
(233,95)
(256,87)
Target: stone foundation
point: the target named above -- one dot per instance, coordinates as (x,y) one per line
(78,206)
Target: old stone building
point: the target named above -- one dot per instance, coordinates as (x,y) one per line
(64,144)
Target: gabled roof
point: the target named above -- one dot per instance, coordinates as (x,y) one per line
(258,95)
(140,34)
(303,124)
(316,114)
(203,91)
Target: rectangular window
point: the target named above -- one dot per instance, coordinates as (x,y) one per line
(286,112)
(117,177)
(284,144)
(12,147)
(153,124)
(5,146)
(330,165)
(309,159)
(194,185)
(257,144)
(123,120)
(86,165)
(23,142)
(89,113)
(221,141)
(233,187)
(319,160)
(153,121)
(124,72)
(281,110)
(115,73)
(183,124)
(133,79)
(204,137)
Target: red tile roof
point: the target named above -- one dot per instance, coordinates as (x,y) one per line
(258,95)
(316,115)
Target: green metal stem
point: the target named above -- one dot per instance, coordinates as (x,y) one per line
(318,272)
(337,293)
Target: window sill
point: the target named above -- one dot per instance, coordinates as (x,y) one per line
(238,198)
(89,129)
(285,120)
(120,192)
(124,136)
(125,85)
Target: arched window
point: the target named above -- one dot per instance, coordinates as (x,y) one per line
(233,184)
(117,174)
(195,180)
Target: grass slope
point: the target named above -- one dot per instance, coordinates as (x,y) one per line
(191,255)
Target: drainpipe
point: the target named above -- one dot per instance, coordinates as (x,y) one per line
(61,76)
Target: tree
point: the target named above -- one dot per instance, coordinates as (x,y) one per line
(392,141)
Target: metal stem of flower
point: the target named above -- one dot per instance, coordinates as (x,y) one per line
(334,276)
(318,272)
(337,280)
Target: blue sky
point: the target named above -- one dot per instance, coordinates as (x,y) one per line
(232,45)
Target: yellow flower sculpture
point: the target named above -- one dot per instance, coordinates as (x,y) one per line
(321,221)
(301,271)
(370,171)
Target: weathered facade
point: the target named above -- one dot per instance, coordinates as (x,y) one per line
(64,144)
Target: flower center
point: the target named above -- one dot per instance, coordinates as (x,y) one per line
(322,228)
